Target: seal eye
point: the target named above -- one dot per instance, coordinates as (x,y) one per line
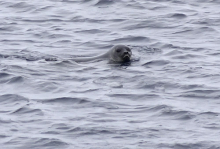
(118,50)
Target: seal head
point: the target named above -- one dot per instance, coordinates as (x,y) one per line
(121,53)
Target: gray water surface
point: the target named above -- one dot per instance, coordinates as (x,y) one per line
(168,98)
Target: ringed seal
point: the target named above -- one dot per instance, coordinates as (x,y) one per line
(118,53)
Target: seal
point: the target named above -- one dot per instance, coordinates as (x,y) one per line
(118,53)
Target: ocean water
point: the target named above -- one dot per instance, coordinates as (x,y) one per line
(167,98)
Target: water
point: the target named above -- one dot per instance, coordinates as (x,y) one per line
(167,98)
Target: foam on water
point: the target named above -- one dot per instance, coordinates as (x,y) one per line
(167,97)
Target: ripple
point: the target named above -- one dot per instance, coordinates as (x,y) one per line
(28,111)
(146,50)
(42,9)
(178,114)
(40,20)
(131,38)
(92,31)
(12,98)
(178,15)
(104,2)
(202,94)
(188,56)
(4,56)
(4,75)
(90,131)
(174,52)
(16,80)
(29,56)
(51,142)
(192,86)
(156,63)
(195,145)
(65,101)
(3,136)
(85,91)
(20,41)
(208,114)
(134,96)
(20,5)
(36,142)
(159,107)
(85,19)
(47,86)
(8,29)
(11,102)
(5,121)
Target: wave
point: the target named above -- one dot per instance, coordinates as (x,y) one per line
(28,111)
(104,2)
(12,98)
(65,100)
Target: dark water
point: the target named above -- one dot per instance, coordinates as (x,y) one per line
(169,99)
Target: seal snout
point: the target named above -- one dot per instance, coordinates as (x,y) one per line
(126,57)
(126,54)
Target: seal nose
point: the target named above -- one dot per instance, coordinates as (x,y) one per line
(126,52)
